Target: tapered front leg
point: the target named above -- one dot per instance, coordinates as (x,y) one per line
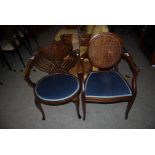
(77,107)
(84,109)
(129,106)
(40,108)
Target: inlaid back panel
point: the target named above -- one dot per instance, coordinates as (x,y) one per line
(57,57)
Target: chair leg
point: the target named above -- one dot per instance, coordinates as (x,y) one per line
(20,57)
(84,109)
(129,106)
(77,107)
(38,105)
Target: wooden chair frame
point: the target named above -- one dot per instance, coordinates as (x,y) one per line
(130,99)
(47,66)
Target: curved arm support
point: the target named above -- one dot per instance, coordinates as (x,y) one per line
(126,56)
(27,71)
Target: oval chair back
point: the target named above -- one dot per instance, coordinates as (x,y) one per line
(105,50)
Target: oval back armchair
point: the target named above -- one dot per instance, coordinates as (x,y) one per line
(107,85)
(58,87)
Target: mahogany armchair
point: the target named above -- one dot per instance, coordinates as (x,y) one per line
(107,85)
(59,87)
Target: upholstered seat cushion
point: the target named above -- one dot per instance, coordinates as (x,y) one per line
(57,87)
(107,84)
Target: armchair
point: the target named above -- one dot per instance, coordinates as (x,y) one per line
(107,85)
(59,87)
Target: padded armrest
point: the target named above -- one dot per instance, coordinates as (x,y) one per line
(27,71)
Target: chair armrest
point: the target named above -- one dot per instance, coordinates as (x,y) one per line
(126,56)
(27,71)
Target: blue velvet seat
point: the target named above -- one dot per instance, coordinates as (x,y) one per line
(107,84)
(57,87)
